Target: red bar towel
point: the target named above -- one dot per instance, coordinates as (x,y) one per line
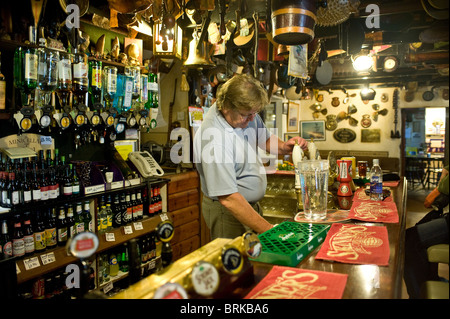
(374,211)
(356,244)
(294,283)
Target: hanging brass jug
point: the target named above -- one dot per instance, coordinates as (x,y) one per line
(198,55)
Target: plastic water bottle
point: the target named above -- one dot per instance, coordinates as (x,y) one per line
(376,181)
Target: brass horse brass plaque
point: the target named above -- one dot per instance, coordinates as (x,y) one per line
(344,135)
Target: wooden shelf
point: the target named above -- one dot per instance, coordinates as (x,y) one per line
(62,259)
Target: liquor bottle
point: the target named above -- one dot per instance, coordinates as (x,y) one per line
(123,208)
(109,216)
(144,250)
(139,205)
(80,76)
(5,188)
(152,253)
(134,207)
(64,86)
(53,186)
(5,241)
(129,208)
(117,212)
(87,218)
(95,82)
(40,243)
(51,237)
(79,223)
(70,221)
(35,187)
(61,227)
(103,220)
(18,242)
(166,254)
(13,191)
(2,87)
(45,191)
(26,189)
(75,181)
(67,186)
(28,234)
(376,181)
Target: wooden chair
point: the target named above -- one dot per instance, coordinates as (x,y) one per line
(433,173)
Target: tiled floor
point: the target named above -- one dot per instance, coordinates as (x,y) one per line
(415,211)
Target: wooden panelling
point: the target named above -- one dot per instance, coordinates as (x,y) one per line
(185,247)
(185,231)
(184,215)
(182,182)
(183,199)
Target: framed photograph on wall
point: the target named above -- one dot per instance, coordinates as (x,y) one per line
(292,118)
(313,130)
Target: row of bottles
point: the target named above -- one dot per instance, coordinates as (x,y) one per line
(31,180)
(41,229)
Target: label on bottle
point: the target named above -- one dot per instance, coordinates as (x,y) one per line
(31,63)
(5,200)
(80,228)
(15,197)
(36,194)
(27,196)
(104,223)
(76,189)
(64,70)
(39,240)
(129,213)
(52,191)
(112,83)
(7,249)
(44,193)
(50,237)
(96,78)
(18,247)
(29,244)
(128,93)
(67,190)
(62,234)
(80,70)
(2,95)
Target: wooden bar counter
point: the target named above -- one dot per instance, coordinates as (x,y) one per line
(364,281)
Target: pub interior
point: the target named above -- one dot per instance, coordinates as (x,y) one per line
(102,99)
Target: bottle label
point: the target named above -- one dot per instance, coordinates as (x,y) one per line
(96,78)
(7,249)
(75,189)
(27,196)
(36,194)
(118,218)
(5,199)
(91,226)
(104,223)
(39,240)
(52,191)
(44,193)
(112,83)
(15,197)
(50,237)
(29,244)
(128,93)
(31,63)
(62,234)
(65,70)
(80,70)
(67,190)
(18,246)
(80,228)
(129,213)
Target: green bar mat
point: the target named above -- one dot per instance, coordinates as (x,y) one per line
(289,243)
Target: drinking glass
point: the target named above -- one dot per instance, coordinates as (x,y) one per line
(313,176)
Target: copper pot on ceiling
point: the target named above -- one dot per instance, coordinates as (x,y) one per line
(129,6)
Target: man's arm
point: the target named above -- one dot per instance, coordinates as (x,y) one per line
(244,212)
(276,146)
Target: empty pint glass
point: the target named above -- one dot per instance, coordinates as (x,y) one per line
(314,186)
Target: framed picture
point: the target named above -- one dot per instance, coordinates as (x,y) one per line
(292,124)
(288,136)
(313,129)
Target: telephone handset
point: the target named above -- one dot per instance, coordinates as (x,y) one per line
(145,163)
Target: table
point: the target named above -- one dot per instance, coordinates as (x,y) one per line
(364,281)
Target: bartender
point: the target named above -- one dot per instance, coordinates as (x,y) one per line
(232,175)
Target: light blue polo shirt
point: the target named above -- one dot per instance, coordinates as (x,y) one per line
(227,158)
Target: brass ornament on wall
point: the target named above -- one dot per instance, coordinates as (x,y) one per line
(331,123)
(344,135)
(377,112)
(366,121)
(318,109)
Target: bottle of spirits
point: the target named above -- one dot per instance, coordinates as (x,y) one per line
(39,233)
(117,212)
(61,227)
(18,242)
(95,82)
(80,77)
(5,241)
(70,220)
(75,181)
(35,187)
(134,207)
(87,218)
(28,234)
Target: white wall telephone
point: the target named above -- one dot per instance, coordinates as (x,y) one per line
(145,163)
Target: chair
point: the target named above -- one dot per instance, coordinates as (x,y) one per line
(436,289)
(433,173)
(414,171)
